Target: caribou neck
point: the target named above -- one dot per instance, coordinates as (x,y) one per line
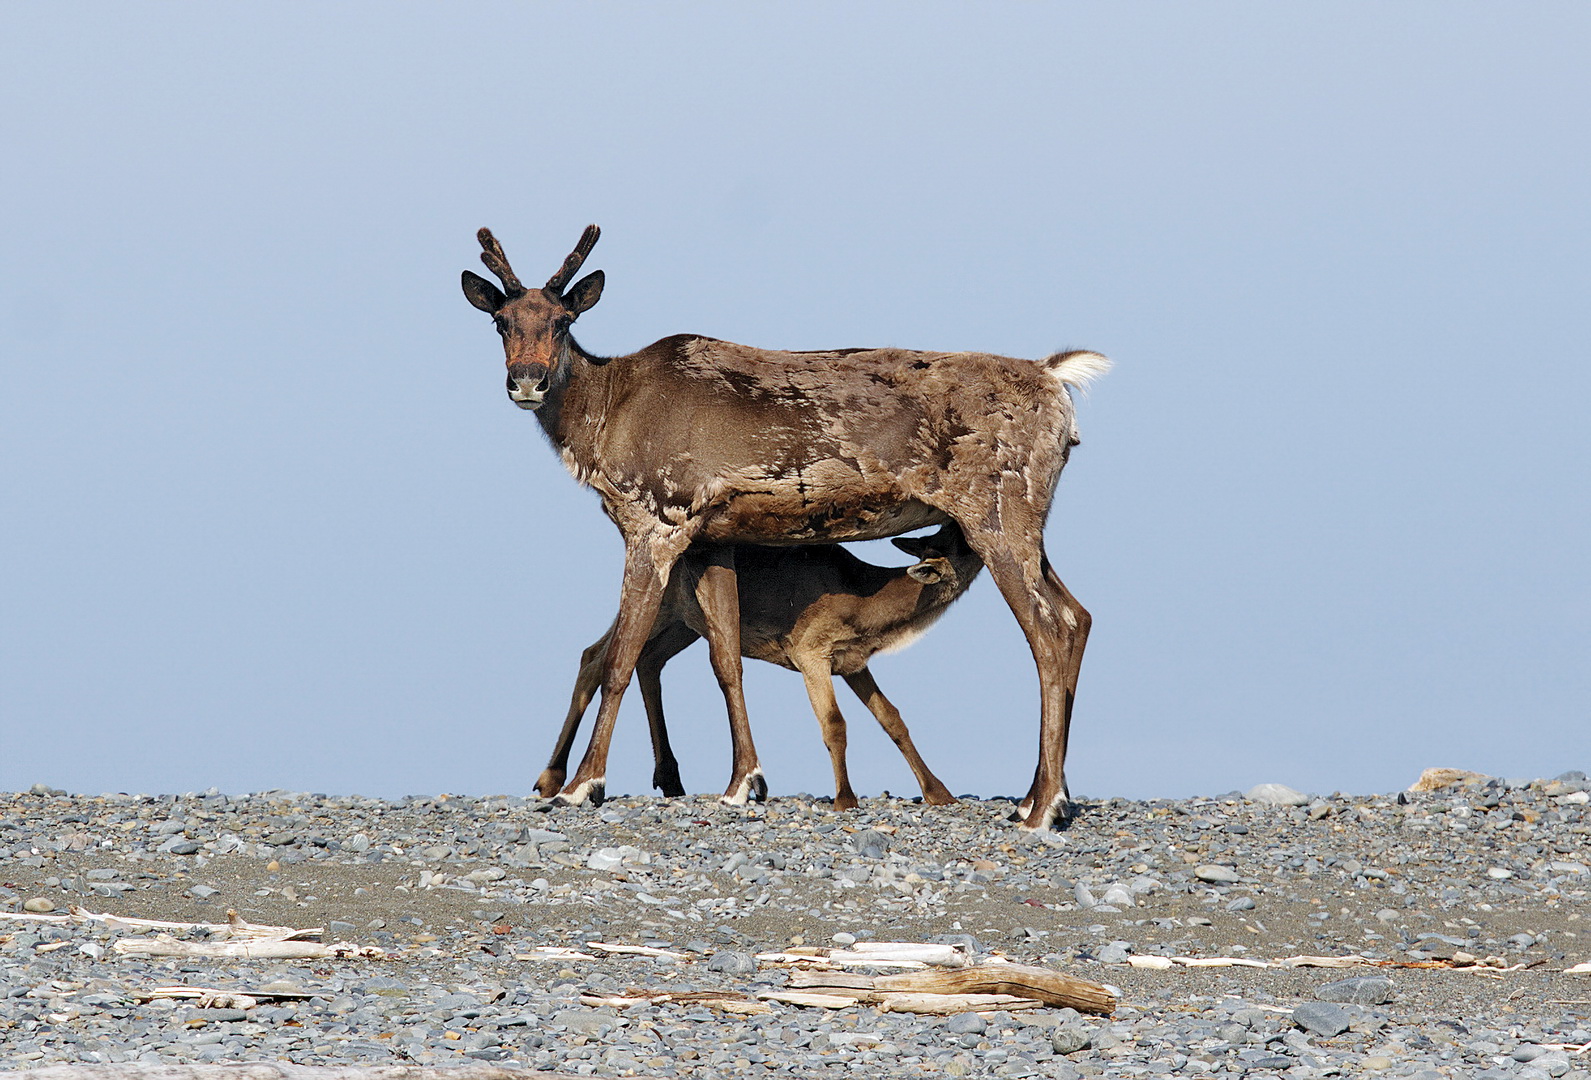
(572,411)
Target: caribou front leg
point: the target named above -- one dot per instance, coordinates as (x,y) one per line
(646,570)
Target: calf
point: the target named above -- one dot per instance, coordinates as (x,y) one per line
(815,609)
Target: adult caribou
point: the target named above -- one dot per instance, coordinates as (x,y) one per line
(696,440)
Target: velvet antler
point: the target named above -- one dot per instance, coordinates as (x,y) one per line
(571,265)
(492,255)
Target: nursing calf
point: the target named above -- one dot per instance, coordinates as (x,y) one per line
(815,609)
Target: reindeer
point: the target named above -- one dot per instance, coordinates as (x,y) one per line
(816,609)
(693,439)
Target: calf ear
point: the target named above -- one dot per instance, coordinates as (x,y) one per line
(482,293)
(583,293)
(911,545)
(929,573)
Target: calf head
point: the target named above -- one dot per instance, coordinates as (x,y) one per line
(935,554)
(534,323)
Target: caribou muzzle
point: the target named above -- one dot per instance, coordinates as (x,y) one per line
(527,384)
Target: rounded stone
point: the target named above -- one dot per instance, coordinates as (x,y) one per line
(1277,795)
(1360,990)
(1069,1039)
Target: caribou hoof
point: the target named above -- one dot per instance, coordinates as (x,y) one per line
(1057,815)
(752,787)
(587,791)
(549,783)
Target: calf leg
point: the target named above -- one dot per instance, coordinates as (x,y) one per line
(718,595)
(820,691)
(934,792)
(648,672)
(551,779)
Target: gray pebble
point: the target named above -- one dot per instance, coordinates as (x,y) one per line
(732,963)
(1070,1039)
(966,1023)
(1322,1018)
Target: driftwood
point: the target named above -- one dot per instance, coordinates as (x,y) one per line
(1018,981)
(713,999)
(271,948)
(633,950)
(235,926)
(944,1004)
(812,999)
(553,952)
(280,1070)
(1491,965)
(911,955)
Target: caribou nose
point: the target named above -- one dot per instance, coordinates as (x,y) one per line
(527,392)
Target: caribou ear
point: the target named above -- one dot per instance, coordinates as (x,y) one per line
(482,293)
(911,545)
(584,293)
(929,572)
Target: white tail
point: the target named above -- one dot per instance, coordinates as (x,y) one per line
(1077,368)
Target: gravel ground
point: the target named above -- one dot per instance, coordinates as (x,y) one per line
(459,889)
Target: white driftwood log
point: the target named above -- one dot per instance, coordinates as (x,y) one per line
(280,1070)
(273,948)
(553,952)
(633,950)
(234,927)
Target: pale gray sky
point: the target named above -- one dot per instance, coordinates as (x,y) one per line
(269,519)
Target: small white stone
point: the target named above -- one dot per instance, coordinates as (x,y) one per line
(1277,795)
(1500,873)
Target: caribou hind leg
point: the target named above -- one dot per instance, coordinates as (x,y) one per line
(1056,627)
(718,595)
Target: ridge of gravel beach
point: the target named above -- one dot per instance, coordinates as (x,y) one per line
(459,889)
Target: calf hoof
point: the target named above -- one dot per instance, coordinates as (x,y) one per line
(549,783)
(939,797)
(587,791)
(846,801)
(668,782)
